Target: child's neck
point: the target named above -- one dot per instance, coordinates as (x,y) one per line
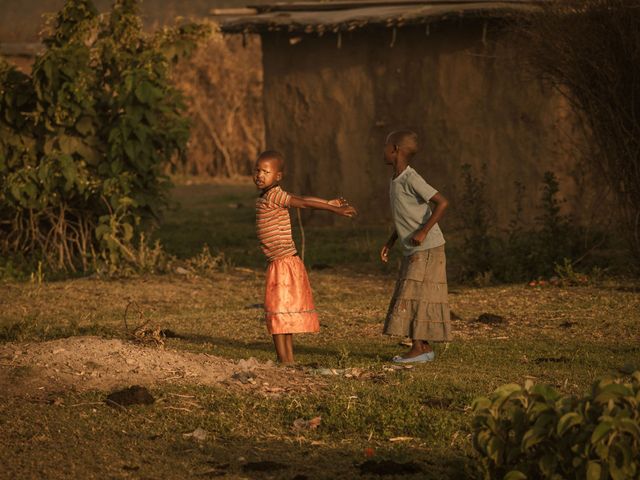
(264,191)
(399,166)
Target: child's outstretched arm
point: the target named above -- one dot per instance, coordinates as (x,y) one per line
(441,205)
(338,206)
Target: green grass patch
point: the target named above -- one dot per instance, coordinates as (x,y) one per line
(223,217)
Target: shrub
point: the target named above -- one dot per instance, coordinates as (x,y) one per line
(84,139)
(534,432)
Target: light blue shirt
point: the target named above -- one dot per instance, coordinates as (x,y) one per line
(410,210)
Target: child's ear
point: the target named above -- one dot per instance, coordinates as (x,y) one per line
(279,176)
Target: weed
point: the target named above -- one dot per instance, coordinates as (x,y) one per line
(475,216)
(206,263)
(139,258)
(568,276)
(37,277)
(343,359)
(555,236)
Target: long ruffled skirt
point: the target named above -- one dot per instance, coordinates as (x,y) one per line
(419,308)
(288,299)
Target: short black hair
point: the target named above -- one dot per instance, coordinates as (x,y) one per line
(406,139)
(273,155)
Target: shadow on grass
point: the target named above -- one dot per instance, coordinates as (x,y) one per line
(266,346)
(284,460)
(163,445)
(29,329)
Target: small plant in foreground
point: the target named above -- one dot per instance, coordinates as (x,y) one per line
(534,432)
(206,263)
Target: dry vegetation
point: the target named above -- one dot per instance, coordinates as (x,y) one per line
(223,85)
(590,52)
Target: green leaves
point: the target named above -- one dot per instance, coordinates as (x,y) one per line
(69,171)
(533,436)
(594,471)
(147,93)
(537,433)
(515,475)
(611,391)
(84,139)
(84,126)
(601,431)
(567,421)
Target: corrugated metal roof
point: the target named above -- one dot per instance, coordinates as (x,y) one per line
(311,17)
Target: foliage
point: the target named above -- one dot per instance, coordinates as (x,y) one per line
(523,251)
(554,228)
(518,260)
(475,216)
(205,263)
(84,139)
(590,51)
(533,432)
(567,275)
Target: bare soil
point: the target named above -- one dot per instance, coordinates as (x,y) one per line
(91,363)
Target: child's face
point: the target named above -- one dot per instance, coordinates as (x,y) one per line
(389,151)
(266,173)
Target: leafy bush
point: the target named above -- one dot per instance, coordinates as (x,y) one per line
(84,139)
(534,432)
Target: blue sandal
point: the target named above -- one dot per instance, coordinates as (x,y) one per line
(422,358)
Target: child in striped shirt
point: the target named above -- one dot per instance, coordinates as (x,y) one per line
(288,300)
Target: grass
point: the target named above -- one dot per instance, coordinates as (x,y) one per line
(223,216)
(563,336)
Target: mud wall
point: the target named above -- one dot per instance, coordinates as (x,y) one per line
(329,103)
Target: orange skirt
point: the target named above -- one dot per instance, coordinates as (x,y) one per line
(288,301)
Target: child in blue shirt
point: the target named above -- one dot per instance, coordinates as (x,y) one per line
(419,308)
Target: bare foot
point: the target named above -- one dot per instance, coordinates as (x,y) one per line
(418,347)
(286,364)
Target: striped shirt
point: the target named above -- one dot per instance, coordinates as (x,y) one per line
(274,225)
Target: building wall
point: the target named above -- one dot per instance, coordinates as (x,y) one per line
(328,107)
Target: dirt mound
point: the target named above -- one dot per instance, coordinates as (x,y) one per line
(93,363)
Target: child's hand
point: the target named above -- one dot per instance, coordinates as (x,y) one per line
(338,202)
(347,211)
(384,253)
(418,237)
